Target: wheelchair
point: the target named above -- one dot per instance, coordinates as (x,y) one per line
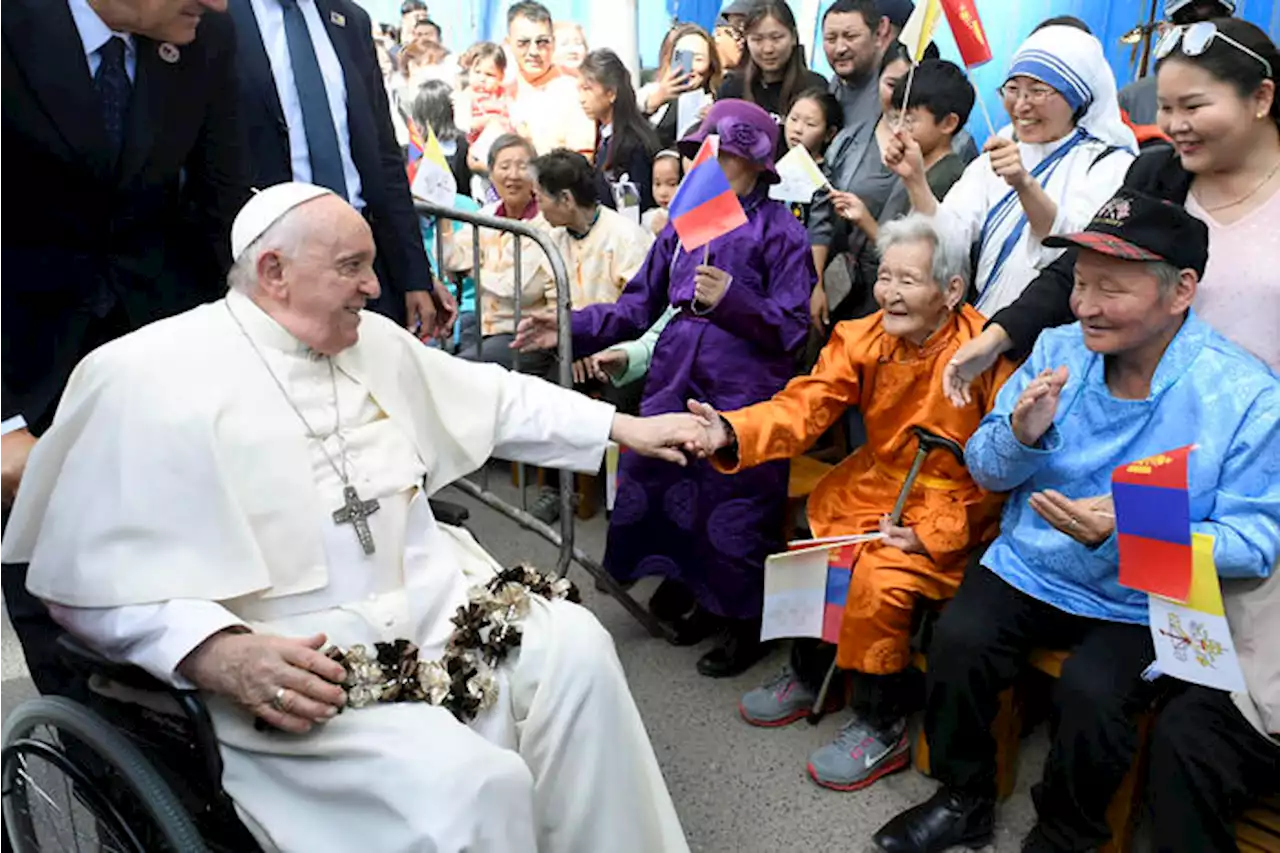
(135,768)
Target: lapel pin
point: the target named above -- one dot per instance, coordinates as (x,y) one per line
(338,18)
(169,53)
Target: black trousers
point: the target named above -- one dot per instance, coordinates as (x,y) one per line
(880,700)
(1207,764)
(979,646)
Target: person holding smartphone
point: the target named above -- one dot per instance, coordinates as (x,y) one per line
(687,62)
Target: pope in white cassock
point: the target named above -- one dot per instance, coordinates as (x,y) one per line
(182,514)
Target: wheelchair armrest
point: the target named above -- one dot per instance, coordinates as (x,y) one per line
(454,515)
(87,662)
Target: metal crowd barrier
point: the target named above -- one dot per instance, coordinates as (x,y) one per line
(563,538)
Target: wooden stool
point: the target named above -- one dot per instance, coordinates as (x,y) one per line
(1122,814)
(1258,831)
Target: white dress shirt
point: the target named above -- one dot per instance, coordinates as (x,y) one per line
(270,17)
(94,34)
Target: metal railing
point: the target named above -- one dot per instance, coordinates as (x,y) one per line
(563,538)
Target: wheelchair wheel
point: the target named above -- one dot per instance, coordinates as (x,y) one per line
(72,782)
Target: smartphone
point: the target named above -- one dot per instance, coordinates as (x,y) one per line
(682,61)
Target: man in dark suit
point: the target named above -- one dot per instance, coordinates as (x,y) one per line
(125,171)
(315,109)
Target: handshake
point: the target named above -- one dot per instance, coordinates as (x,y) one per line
(674,437)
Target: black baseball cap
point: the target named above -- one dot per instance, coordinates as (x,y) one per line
(897,11)
(1134,226)
(741,7)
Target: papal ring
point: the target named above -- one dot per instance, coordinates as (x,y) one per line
(277,701)
(1073,523)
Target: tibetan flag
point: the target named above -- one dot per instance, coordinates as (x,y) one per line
(417,145)
(1153,523)
(966,26)
(705,206)
(917,33)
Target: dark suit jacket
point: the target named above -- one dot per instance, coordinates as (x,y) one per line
(378,159)
(92,249)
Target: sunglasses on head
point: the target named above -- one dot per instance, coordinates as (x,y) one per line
(1196,38)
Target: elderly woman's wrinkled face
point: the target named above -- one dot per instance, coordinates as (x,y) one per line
(319,286)
(915,305)
(511,177)
(1121,305)
(1039,112)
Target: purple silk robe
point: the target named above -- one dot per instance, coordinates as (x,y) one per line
(710,531)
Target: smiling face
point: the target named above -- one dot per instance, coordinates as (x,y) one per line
(851,46)
(1121,304)
(696,45)
(914,304)
(318,285)
(770,44)
(533,44)
(511,178)
(1211,125)
(1039,112)
(172,21)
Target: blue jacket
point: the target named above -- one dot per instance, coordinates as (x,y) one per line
(1206,391)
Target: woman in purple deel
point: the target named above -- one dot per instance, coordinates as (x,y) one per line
(707,534)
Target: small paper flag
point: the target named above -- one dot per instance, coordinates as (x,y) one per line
(798,177)
(966,26)
(1153,523)
(917,33)
(705,206)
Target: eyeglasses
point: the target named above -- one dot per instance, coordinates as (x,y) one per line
(1035,94)
(541,43)
(1196,39)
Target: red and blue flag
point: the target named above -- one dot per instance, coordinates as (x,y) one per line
(417,147)
(839,573)
(705,206)
(1153,523)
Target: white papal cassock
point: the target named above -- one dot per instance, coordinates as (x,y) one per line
(177,494)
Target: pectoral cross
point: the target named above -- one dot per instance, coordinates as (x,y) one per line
(354,512)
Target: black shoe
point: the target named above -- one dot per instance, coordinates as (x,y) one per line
(738,650)
(671,601)
(947,819)
(695,627)
(546,507)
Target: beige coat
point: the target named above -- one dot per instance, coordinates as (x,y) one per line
(1253,612)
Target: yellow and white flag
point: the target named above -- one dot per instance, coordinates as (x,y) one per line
(434,179)
(917,32)
(799,177)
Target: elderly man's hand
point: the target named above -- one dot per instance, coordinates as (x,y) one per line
(420,314)
(667,437)
(902,538)
(1089,521)
(1033,413)
(538,330)
(15,447)
(603,366)
(283,680)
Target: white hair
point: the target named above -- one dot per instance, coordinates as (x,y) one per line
(1167,275)
(284,236)
(949,257)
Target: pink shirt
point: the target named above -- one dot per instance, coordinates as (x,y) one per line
(1240,293)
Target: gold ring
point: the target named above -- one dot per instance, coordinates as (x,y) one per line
(277,701)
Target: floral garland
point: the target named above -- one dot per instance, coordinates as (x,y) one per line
(486,630)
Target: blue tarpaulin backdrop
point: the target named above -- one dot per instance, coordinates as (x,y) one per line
(1007,22)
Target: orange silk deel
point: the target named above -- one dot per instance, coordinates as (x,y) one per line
(896,385)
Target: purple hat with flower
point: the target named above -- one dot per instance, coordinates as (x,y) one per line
(745,130)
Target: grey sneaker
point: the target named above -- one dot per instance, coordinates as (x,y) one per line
(780,702)
(546,507)
(860,755)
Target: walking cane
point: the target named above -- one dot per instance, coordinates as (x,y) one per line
(927,443)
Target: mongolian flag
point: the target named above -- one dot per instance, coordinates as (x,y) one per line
(705,206)
(1153,523)
(971,38)
(839,573)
